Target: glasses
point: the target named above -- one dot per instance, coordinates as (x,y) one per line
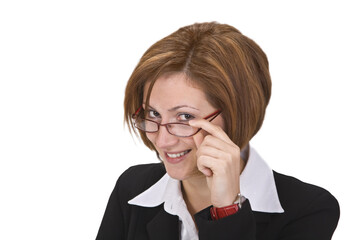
(174,128)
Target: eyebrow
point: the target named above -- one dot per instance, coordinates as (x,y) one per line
(178,107)
(181,106)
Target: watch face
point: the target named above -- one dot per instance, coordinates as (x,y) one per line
(239,199)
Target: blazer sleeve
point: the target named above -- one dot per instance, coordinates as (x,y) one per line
(240,225)
(117,217)
(317,221)
(112,225)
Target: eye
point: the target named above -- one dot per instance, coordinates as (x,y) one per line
(153,114)
(185,117)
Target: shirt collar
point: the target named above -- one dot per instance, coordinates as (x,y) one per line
(257,184)
(167,190)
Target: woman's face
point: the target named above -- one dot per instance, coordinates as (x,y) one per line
(173,99)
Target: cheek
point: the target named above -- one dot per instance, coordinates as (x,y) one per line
(189,142)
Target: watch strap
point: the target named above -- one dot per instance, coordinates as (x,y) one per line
(218,213)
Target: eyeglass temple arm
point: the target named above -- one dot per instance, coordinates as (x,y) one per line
(213,114)
(137,112)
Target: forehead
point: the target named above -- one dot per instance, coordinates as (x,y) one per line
(175,89)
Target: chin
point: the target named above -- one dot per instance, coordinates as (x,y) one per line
(176,172)
(180,171)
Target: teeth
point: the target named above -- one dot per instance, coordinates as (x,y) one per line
(176,155)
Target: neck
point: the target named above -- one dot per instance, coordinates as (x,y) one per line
(196,193)
(196,184)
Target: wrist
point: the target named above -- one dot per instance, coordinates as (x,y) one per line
(221,212)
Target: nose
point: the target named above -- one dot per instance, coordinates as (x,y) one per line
(164,139)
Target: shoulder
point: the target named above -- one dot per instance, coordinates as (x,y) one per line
(298,197)
(137,179)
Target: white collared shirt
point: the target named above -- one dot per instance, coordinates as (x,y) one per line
(257,184)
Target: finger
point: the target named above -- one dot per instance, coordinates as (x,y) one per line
(219,144)
(211,128)
(206,171)
(204,164)
(217,166)
(199,138)
(211,152)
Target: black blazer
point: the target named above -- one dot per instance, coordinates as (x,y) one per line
(310,213)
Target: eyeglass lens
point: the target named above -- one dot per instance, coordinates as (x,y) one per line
(177,129)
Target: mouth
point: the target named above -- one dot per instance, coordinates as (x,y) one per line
(176,157)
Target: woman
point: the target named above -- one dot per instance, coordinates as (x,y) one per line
(197,97)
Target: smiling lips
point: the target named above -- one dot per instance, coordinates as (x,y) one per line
(176,157)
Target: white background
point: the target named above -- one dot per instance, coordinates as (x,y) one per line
(63,69)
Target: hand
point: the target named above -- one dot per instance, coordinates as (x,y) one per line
(218,158)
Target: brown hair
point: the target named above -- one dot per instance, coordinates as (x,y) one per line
(229,67)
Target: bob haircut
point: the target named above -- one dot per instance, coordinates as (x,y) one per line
(230,68)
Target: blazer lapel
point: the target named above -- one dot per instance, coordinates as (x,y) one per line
(163,226)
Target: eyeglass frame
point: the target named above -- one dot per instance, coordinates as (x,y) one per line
(212,116)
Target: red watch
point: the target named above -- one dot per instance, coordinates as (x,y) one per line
(218,213)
